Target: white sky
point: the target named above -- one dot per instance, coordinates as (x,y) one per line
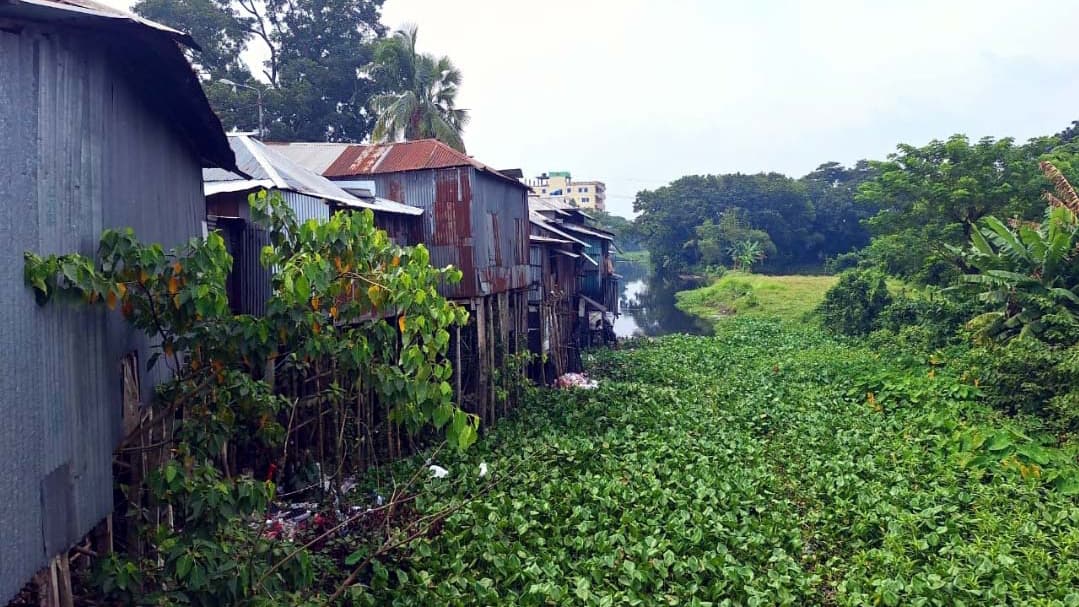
(637,93)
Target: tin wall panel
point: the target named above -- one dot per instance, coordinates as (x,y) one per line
(79,153)
(306,207)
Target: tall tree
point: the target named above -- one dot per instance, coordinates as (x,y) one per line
(770,203)
(838,217)
(422,97)
(932,197)
(312,82)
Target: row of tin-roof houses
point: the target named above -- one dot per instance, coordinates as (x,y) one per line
(103,124)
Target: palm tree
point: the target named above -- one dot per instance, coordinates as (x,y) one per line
(424,92)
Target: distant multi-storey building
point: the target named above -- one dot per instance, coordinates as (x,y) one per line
(561,186)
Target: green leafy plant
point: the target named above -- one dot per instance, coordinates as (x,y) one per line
(745,253)
(1026,271)
(348,306)
(772,465)
(853,305)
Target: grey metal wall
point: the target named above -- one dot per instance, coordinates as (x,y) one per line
(501,228)
(306,207)
(78,153)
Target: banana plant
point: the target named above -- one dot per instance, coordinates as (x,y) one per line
(1026,271)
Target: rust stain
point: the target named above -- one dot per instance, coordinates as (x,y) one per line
(404,156)
(496,237)
(397,191)
(468,284)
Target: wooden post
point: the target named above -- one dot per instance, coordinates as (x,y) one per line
(457,370)
(63,566)
(481,358)
(504,339)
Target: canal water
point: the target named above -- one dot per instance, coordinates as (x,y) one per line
(647,306)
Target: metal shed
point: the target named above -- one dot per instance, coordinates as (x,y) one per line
(308,194)
(104,126)
(475,218)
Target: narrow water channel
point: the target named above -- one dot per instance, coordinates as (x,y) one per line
(647,306)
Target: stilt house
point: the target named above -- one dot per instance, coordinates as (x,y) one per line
(475,218)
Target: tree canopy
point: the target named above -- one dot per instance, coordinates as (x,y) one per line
(313,78)
(797,223)
(932,197)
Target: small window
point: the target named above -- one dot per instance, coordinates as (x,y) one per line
(584,198)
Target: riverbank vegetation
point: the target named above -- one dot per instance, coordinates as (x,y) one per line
(769,465)
(756,295)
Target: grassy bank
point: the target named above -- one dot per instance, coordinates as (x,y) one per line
(756,295)
(770,465)
(635,257)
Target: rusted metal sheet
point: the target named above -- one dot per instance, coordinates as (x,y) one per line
(398,157)
(474,218)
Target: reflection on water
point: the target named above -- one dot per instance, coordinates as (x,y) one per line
(647,306)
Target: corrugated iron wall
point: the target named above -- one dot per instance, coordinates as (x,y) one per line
(306,207)
(78,153)
(471,220)
(500,229)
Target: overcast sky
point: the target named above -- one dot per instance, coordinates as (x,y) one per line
(639,92)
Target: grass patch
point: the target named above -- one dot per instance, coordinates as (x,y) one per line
(635,257)
(756,295)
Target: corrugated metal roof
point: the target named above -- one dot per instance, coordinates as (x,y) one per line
(547,205)
(92,9)
(546,240)
(353,160)
(590,231)
(210,188)
(541,203)
(315,157)
(541,221)
(150,55)
(263,163)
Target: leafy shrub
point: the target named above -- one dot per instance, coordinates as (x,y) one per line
(927,321)
(853,305)
(1029,376)
(843,262)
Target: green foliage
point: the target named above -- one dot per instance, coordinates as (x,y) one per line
(1027,376)
(769,466)
(784,297)
(421,101)
(798,223)
(732,240)
(343,293)
(745,253)
(925,320)
(625,230)
(773,204)
(1027,275)
(853,305)
(933,196)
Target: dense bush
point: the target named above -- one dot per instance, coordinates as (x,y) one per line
(927,320)
(1031,377)
(853,305)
